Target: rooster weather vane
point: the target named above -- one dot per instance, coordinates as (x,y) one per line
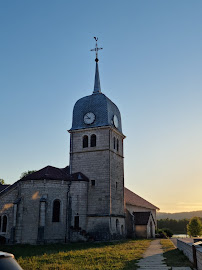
(96,49)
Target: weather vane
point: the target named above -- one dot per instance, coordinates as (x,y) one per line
(96,49)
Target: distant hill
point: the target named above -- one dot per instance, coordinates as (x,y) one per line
(181,215)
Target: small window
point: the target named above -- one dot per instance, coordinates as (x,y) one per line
(85,141)
(114,143)
(92,182)
(116,185)
(4,225)
(117,145)
(76,222)
(56,211)
(93,140)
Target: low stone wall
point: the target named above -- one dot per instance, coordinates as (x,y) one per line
(187,249)
(199,258)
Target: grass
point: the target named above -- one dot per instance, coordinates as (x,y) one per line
(173,256)
(116,255)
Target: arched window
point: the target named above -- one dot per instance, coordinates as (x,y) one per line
(85,141)
(114,143)
(4,224)
(56,211)
(117,226)
(117,145)
(93,140)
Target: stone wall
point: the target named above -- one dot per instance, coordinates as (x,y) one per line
(187,249)
(141,231)
(150,229)
(79,198)
(103,165)
(199,258)
(7,208)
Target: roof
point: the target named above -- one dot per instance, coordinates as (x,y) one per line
(49,173)
(101,106)
(2,187)
(141,218)
(134,199)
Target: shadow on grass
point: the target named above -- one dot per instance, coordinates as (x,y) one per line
(37,250)
(176,258)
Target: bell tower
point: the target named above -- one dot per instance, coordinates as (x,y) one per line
(96,150)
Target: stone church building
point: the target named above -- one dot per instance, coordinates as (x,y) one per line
(85,200)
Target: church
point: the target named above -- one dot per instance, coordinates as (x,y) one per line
(87,200)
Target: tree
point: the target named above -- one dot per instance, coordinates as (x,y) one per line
(26,173)
(194,228)
(2,182)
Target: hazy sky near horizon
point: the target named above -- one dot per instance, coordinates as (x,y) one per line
(150,67)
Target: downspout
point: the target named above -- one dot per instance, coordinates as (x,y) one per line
(68,216)
(110,206)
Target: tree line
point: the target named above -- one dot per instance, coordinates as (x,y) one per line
(176,226)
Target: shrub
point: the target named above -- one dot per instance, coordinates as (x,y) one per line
(168,232)
(194,228)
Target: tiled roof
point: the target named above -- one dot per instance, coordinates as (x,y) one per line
(49,173)
(53,173)
(134,199)
(141,218)
(99,104)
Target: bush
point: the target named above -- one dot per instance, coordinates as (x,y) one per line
(161,234)
(168,232)
(165,232)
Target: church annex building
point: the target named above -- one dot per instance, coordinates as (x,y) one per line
(86,200)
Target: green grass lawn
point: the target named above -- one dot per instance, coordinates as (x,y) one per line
(116,255)
(173,256)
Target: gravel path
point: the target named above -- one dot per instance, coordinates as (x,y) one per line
(153,259)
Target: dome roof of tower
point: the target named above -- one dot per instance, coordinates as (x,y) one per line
(101,106)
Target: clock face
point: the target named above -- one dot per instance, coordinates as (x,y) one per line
(115,121)
(89,118)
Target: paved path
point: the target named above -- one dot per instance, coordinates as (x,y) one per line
(153,259)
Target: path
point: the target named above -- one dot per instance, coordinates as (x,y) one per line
(153,259)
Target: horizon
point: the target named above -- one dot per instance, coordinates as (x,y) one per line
(150,67)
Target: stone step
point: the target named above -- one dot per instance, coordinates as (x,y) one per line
(158,267)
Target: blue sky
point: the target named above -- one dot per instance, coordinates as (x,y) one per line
(150,67)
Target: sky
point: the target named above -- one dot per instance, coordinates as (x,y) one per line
(150,67)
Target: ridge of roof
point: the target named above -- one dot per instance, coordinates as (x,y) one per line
(134,199)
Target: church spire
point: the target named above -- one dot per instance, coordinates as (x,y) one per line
(97,88)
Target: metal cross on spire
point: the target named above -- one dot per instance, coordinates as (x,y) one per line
(96,49)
